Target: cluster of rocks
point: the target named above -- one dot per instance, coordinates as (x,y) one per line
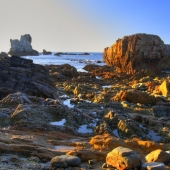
(60,53)
(127,115)
(23,47)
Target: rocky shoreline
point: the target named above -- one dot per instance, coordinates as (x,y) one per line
(54,117)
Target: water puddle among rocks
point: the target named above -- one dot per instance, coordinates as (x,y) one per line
(64,148)
(104,87)
(84,129)
(115,132)
(59,123)
(67,103)
(152,134)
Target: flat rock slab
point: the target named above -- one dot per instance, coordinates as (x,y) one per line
(153,166)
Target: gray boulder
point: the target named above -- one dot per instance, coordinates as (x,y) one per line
(63,160)
(160,111)
(22,47)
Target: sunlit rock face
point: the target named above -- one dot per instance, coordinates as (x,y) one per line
(137,52)
(22,47)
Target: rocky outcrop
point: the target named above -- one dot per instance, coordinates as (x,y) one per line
(3,55)
(18,74)
(137,52)
(22,47)
(110,142)
(63,71)
(46,52)
(136,96)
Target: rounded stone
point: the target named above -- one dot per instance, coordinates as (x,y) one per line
(67,159)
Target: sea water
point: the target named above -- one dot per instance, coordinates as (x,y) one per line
(78,61)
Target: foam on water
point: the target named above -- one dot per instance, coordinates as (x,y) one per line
(78,61)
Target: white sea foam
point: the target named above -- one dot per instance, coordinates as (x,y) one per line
(78,61)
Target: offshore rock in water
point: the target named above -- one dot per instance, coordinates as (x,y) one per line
(22,47)
(138,52)
(46,52)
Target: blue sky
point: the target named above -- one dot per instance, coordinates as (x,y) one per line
(81,25)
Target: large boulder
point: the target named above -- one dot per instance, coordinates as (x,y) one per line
(22,47)
(123,158)
(158,156)
(64,161)
(138,52)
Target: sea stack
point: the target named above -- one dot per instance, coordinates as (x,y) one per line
(22,47)
(138,52)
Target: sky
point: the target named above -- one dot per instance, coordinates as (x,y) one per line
(81,25)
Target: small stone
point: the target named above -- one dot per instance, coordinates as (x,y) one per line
(105,165)
(92,161)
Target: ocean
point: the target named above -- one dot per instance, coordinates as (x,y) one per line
(78,61)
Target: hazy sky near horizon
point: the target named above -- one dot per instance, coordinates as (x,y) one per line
(81,25)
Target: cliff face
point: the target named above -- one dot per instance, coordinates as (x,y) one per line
(138,52)
(22,47)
